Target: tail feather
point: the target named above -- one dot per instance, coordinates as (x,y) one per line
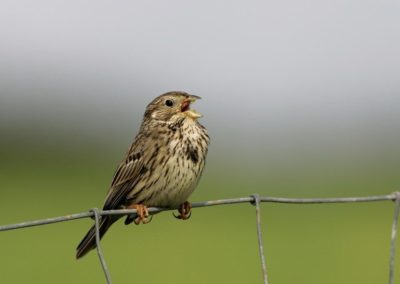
(89,241)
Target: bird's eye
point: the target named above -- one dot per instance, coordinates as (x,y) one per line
(169,103)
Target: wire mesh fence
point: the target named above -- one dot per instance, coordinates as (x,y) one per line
(254,200)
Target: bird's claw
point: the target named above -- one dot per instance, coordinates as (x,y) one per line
(184,211)
(142,214)
(180,216)
(145,220)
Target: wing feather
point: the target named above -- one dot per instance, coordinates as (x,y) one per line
(128,174)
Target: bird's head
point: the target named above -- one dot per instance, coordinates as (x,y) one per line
(172,106)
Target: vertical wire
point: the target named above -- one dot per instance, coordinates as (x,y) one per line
(394,237)
(256,202)
(98,247)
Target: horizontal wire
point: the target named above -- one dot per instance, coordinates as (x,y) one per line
(154,210)
(255,199)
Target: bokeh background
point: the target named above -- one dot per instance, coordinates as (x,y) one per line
(301,99)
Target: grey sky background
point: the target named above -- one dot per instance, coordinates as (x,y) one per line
(281,81)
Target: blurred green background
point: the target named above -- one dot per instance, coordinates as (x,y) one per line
(347,243)
(301,99)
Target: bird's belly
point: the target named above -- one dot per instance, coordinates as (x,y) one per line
(171,184)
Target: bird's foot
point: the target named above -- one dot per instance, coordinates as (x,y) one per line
(142,214)
(184,211)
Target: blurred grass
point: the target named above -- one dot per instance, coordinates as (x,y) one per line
(343,243)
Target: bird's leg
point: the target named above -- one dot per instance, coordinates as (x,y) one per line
(184,211)
(142,213)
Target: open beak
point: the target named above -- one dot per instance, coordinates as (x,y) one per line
(185,107)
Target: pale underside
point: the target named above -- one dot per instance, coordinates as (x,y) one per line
(163,171)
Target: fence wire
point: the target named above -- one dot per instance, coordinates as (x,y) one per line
(254,199)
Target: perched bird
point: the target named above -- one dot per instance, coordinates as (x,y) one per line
(161,168)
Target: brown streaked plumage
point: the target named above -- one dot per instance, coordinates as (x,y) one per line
(161,168)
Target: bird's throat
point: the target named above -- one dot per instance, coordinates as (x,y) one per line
(192,114)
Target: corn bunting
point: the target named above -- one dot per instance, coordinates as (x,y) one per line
(161,168)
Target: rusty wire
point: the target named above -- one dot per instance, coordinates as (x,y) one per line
(255,199)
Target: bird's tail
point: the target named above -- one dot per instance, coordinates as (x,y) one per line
(89,241)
